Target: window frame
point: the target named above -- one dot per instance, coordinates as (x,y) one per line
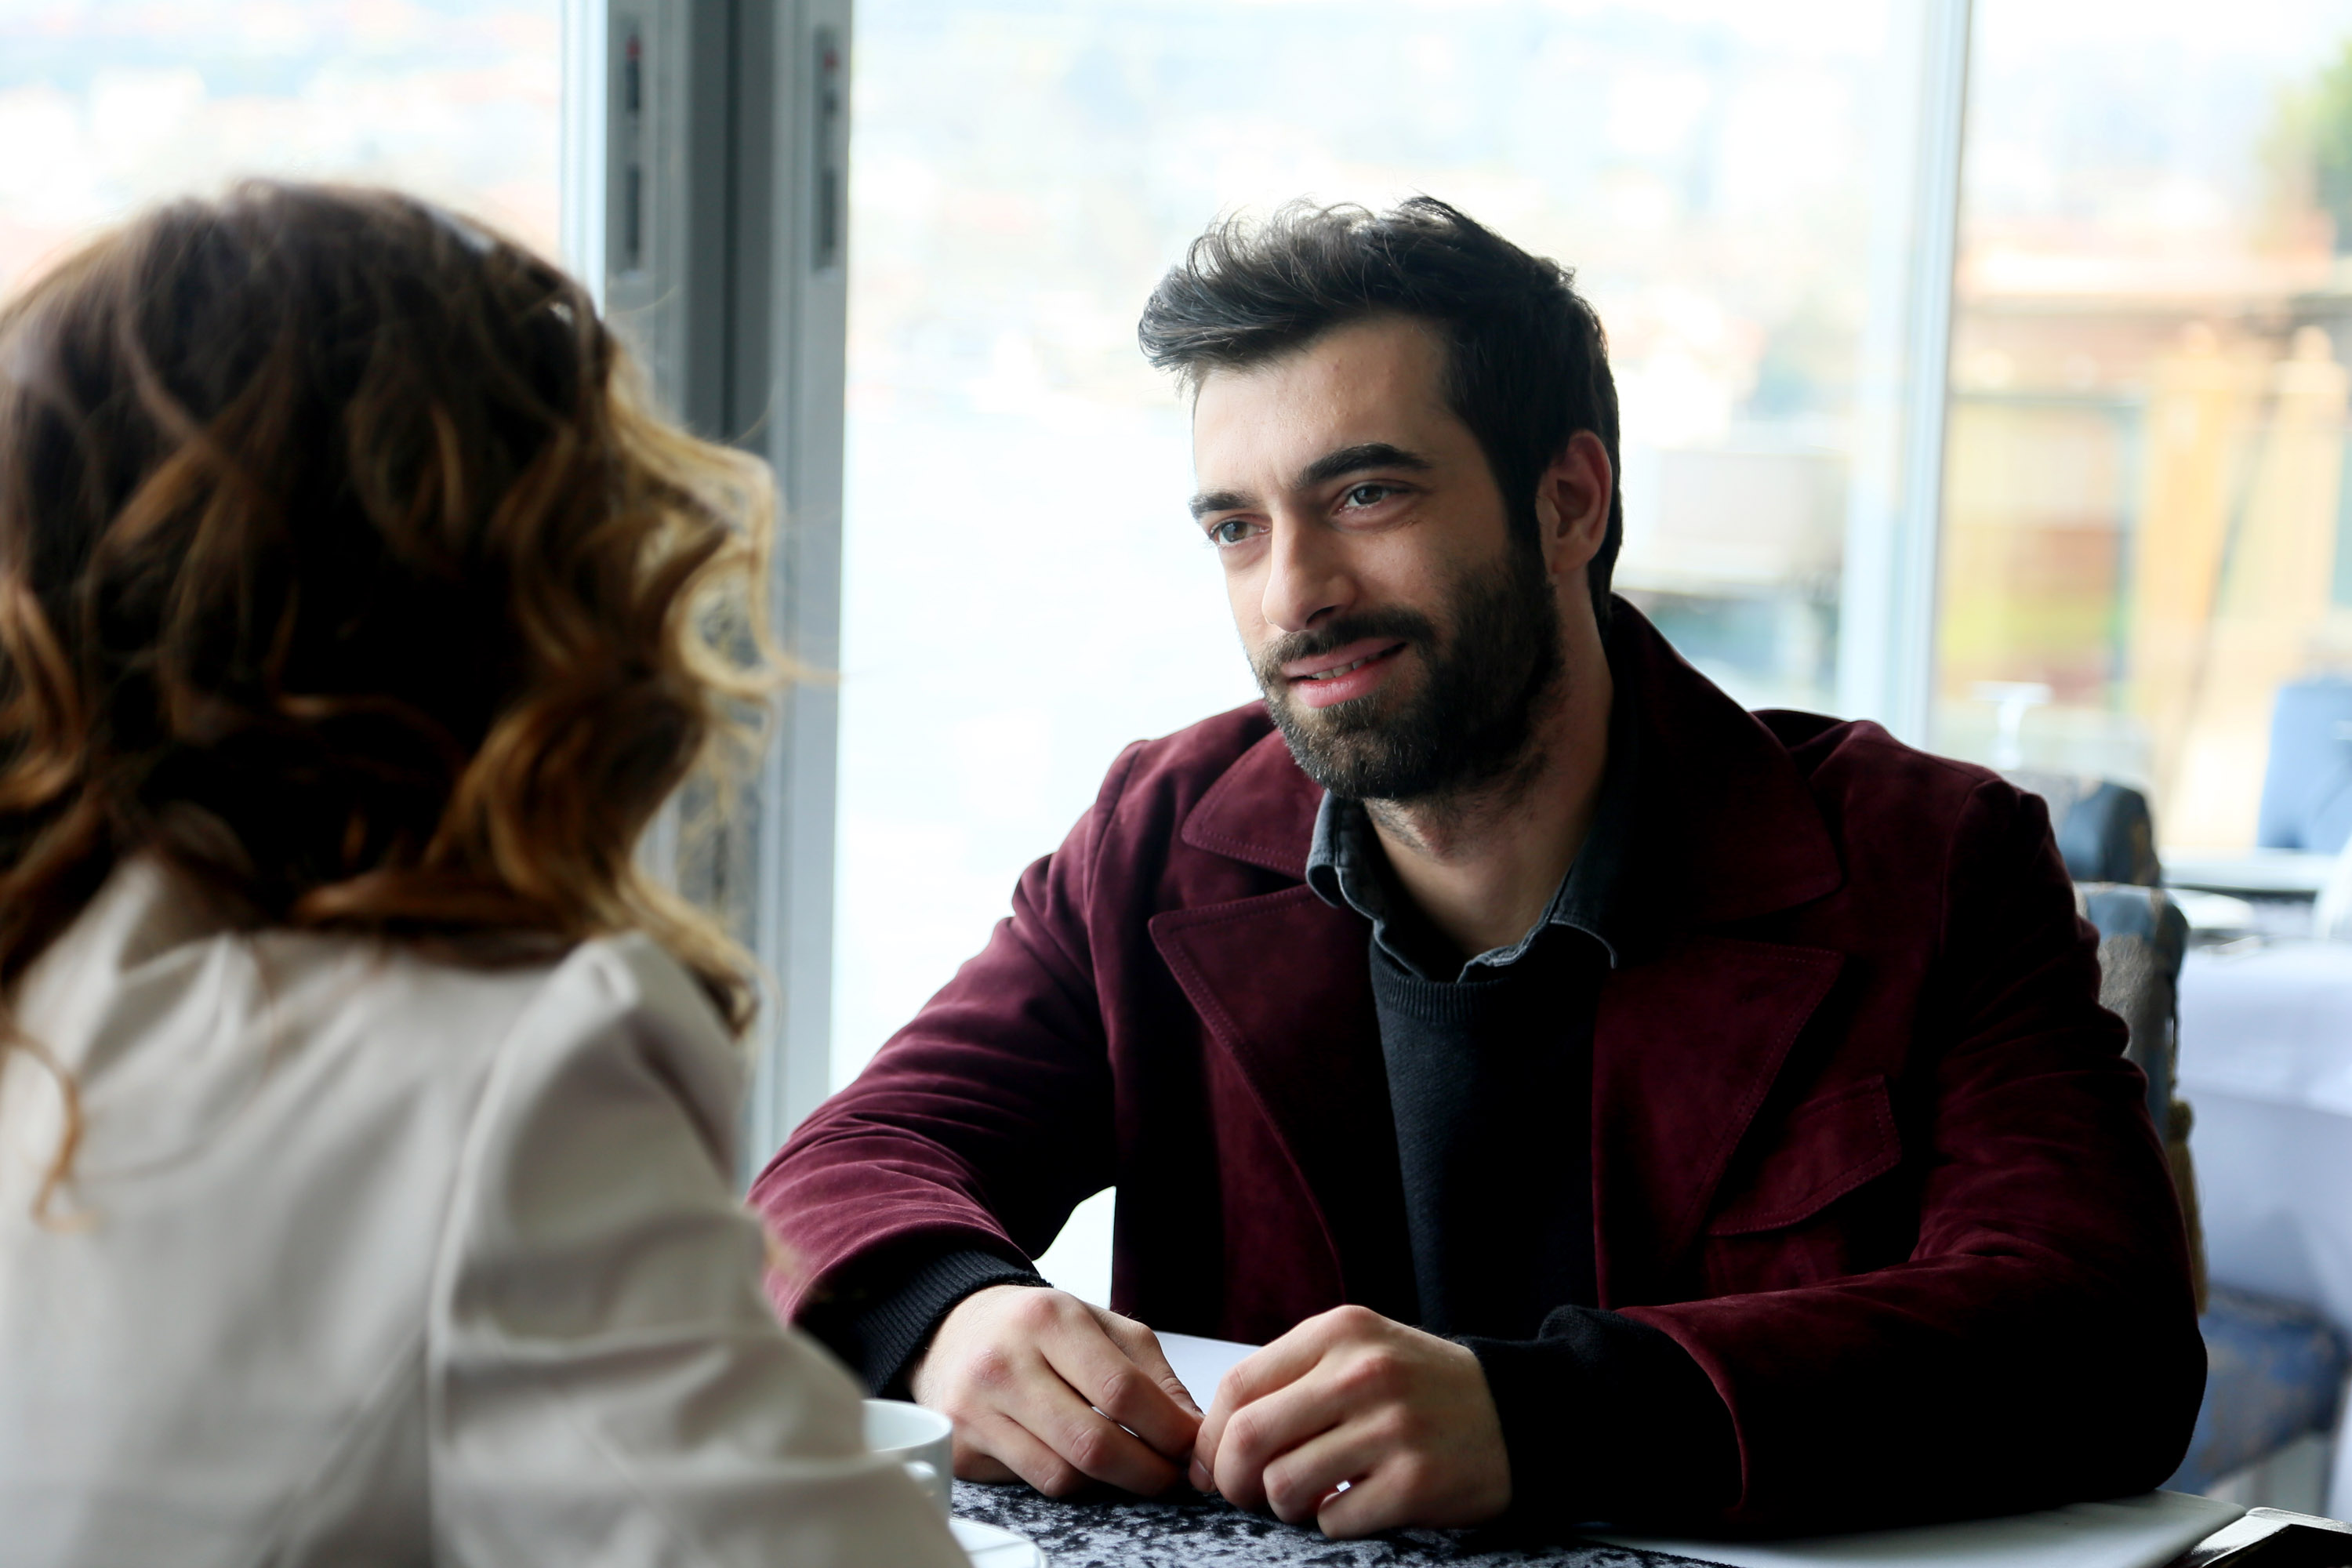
(730,118)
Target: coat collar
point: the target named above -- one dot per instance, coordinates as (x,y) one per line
(1261,811)
(1728,822)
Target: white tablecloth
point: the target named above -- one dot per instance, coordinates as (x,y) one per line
(2266,1064)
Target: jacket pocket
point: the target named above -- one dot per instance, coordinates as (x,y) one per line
(1824,1150)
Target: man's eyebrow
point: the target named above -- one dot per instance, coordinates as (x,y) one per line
(1321,471)
(1354,459)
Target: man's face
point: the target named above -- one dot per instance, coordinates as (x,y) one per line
(1402,637)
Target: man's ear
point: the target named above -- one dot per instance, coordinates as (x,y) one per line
(1572,503)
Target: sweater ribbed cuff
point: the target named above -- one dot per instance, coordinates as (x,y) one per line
(1608,1420)
(879,1341)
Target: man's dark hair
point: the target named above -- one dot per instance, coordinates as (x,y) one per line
(1527,367)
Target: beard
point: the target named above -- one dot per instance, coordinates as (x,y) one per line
(1474,718)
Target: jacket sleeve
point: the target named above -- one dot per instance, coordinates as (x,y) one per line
(1650,1440)
(608,1381)
(978,1127)
(2040,1343)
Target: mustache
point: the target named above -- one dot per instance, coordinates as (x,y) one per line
(1399,624)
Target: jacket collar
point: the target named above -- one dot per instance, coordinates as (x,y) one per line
(1728,824)
(1261,811)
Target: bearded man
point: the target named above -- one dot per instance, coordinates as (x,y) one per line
(1602,1103)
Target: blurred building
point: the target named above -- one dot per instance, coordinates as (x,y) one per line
(2144,488)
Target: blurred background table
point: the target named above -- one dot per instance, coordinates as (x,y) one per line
(2266,1061)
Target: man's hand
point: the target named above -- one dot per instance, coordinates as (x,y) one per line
(1038,1385)
(1403,1420)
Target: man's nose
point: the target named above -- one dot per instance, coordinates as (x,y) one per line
(1307,579)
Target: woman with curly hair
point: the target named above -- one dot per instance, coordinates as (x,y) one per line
(366,1116)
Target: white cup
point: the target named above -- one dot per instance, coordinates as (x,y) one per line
(920,1439)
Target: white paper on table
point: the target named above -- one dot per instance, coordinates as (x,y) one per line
(1199,1363)
(2142,1531)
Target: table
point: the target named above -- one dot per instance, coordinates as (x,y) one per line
(1210,1533)
(2255,873)
(2267,1067)
(1125,1532)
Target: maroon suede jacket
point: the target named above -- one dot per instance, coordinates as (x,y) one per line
(1863,1142)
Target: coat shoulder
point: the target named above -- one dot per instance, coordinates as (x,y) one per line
(1175,771)
(1210,746)
(1855,765)
(1905,820)
(1225,787)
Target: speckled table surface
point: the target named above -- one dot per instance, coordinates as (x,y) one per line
(1207,1533)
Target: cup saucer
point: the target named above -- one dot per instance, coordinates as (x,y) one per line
(990,1547)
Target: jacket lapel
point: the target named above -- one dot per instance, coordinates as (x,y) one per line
(1686,1047)
(1284,985)
(1689,1039)
(1282,982)
(1261,811)
(1728,829)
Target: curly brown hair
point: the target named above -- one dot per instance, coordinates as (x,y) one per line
(345,568)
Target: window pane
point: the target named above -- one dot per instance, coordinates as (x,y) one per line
(106,105)
(2144,480)
(1022,591)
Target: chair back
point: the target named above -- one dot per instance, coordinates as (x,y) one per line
(2106,832)
(2143,937)
(2308,783)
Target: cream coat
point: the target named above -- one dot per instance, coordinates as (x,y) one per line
(374,1258)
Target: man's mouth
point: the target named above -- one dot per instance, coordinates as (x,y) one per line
(1343,673)
(1343,669)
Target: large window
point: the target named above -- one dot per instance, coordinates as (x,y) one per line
(1022,591)
(2141,460)
(106,105)
(2144,495)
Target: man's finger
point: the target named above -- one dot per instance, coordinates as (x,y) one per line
(1110,1377)
(1268,1428)
(1019,1452)
(974,1462)
(1048,1407)
(1142,1348)
(1299,1482)
(1281,1363)
(1385,1499)
(1257,1375)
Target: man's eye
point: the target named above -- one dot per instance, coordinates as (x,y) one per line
(1233,531)
(1367,495)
